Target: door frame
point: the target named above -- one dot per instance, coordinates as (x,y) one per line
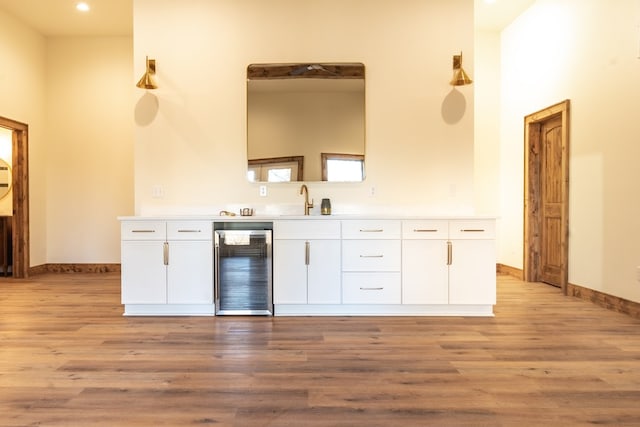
(20,188)
(532,192)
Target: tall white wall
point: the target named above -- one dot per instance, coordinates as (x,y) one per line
(89,148)
(487,122)
(586,51)
(191,132)
(22,98)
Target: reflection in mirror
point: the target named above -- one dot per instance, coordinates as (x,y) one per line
(297,112)
(342,167)
(276,169)
(5,178)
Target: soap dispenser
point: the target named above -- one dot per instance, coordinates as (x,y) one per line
(325,207)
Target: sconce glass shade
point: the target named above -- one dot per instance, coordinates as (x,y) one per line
(460,77)
(147,81)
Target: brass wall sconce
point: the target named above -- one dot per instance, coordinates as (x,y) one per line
(460,77)
(147,80)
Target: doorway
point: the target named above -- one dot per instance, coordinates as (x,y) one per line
(546,201)
(20,190)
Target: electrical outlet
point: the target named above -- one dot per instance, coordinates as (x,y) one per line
(157,192)
(263,191)
(372,191)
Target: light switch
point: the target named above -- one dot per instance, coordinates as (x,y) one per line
(157,192)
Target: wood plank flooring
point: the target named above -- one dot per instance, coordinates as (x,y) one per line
(69,358)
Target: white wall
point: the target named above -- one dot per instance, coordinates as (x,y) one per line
(487,122)
(22,89)
(89,147)
(585,51)
(191,132)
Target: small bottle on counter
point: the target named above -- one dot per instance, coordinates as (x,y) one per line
(325,207)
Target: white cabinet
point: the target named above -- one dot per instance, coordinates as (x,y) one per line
(306,262)
(371,288)
(425,273)
(321,266)
(472,269)
(143,272)
(371,262)
(167,267)
(189,262)
(449,262)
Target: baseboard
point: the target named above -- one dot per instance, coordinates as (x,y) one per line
(74,268)
(601,299)
(510,271)
(607,301)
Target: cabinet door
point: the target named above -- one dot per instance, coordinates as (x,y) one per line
(190,272)
(472,273)
(289,272)
(324,274)
(425,272)
(144,275)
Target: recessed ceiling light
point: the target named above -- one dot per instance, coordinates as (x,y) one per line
(82,6)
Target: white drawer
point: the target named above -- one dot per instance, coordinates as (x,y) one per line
(143,230)
(425,229)
(371,229)
(371,288)
(306,229)
(371,255)
(189,230)
(472,229)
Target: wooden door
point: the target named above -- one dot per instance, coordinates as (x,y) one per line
(20,179)
(546,220)
(551,202)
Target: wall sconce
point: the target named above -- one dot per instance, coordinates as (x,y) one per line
(460,78)
(147,81)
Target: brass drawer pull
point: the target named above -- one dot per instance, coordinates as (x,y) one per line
(143,231)
(424,230)
(371,289)
(377,230)
(307,253)
(473,230)
(189,231)
(165,253)
(371,256)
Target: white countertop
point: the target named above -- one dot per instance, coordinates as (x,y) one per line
(259,217)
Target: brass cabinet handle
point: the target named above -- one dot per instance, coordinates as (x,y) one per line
(377,230)
(307,253)
(216,271)
(165,253)
(371,256)
(473,230)
(449,253)
(424,230)
(143,231)
(371,289)
(189,231)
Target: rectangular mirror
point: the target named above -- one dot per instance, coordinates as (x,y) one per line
(305,122)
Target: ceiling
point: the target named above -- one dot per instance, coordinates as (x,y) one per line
(115,17)
(54,18)
(498,14)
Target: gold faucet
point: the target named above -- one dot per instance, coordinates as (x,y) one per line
(307,205)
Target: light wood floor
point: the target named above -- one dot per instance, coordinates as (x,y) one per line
(69,358)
